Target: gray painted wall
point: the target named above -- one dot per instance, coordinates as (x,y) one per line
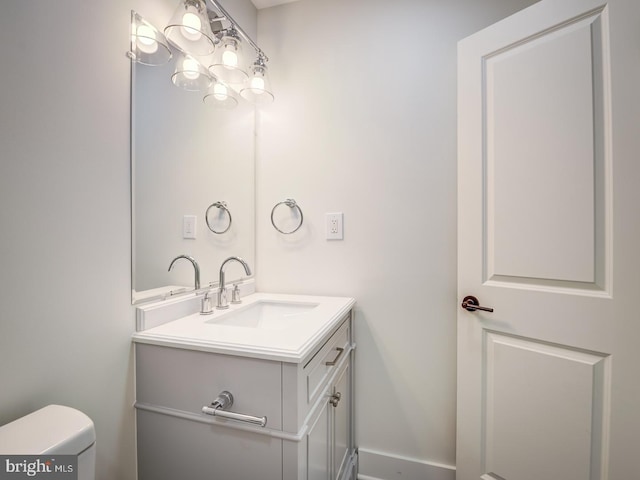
(349,132)
(365,123)
(65,313)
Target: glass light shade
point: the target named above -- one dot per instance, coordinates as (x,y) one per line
(227,62)
(189,29)
(148,45)
(258,87)
(190,74)
(220,96)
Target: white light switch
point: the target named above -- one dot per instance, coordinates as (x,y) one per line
(335,229)
(189,226)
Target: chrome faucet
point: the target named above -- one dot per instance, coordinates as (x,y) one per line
(223,301)
(195,267)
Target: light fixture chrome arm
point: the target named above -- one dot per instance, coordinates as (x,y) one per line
(226,16)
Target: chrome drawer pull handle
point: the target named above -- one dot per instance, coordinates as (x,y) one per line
(335,399)
(335,360)
(225,400)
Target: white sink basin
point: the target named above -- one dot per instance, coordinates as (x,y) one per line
(265,325)
(268,315)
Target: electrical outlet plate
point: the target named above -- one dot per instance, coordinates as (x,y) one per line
(335,226)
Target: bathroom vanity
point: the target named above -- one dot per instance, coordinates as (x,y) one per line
(287,362)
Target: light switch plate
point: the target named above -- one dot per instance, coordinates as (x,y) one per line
(189,226)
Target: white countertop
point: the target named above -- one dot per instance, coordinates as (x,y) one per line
(210,333)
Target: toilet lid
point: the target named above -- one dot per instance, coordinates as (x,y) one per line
(54,429)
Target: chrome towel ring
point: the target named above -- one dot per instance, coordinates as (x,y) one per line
(220,206)
(291,203)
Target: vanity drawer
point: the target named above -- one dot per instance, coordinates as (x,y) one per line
(171,448)
(187,380)
(318,370)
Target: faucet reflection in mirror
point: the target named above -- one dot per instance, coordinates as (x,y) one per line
(196,269)
(204,36)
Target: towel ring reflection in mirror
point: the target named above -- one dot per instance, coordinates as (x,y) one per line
(291,203)
(222,209)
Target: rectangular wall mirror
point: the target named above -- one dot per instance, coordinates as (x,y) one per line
(186,157)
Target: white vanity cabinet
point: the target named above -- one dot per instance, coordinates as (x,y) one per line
(329,438)
(307,403)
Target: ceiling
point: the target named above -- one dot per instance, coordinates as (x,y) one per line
(270,3)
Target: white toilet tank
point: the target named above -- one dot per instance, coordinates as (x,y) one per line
(54,429)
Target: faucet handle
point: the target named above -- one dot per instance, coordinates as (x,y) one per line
(235,294)
(206,304)
(223,300)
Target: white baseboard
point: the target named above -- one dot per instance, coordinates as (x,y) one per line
(383,466)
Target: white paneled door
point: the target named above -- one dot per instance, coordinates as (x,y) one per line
(549,237)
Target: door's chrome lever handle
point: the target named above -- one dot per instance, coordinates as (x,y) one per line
(471,304)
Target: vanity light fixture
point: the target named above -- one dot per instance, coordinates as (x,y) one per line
(220,96)
(148,45)
(227,64)
(190,74)
(258,88)
(197,31)
(189,29)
